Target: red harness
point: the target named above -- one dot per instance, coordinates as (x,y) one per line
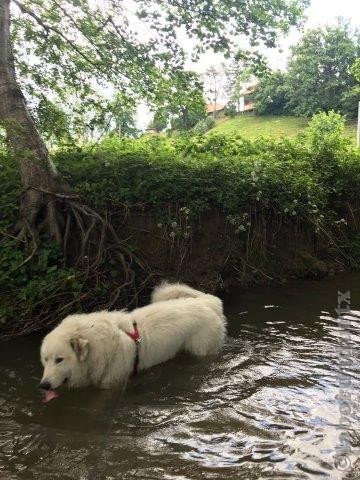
(135,335)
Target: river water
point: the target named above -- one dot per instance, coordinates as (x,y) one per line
(266,407)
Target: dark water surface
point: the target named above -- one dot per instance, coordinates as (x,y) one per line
(264,408)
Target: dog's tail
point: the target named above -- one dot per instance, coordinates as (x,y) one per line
(172,291)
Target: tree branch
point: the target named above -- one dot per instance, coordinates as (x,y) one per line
(55,30)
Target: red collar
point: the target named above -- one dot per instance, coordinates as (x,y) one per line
(135,335)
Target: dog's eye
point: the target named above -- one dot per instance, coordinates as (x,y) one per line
(58,360)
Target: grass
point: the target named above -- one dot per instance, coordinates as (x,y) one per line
(252,126)
(351,129)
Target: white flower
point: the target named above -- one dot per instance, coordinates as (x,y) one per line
(172,234)
(293,213)
(242,228)
(174,224)
(159,225)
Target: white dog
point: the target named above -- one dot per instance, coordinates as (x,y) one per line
(104,348)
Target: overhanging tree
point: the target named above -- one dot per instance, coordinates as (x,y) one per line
(49,47)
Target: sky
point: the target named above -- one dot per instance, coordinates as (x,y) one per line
(319,14)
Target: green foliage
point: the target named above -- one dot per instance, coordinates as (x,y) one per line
(230,110)
(30,287)
(351,98)
(204,125)
(200,172)
(318,74)
(325,133)
(182,104)
(350,102)
(160,120)
(52,121)
(10,190)
(115,117)
(271,95)
(355,70)
(332,155)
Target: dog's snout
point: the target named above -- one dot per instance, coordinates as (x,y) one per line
(45,385)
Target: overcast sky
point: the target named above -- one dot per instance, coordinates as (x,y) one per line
(320,13)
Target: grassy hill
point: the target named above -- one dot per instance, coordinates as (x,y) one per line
(252,126)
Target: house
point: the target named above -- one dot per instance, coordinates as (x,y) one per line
(215,109)
(246,103)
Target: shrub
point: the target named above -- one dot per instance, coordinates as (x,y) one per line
(350,102)
(230,110)
(204,125)
(325,132)
(31,289)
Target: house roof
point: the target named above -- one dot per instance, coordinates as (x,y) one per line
(250,89)
(210,107)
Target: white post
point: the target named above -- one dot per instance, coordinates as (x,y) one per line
(358,129)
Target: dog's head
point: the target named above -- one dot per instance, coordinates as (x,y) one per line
(63,360)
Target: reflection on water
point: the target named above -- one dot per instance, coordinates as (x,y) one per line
(264,408)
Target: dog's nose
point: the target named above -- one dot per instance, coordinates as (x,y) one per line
(45,385)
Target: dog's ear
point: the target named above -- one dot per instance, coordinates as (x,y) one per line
(81,347)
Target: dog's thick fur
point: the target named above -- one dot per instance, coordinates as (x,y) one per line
(94,349)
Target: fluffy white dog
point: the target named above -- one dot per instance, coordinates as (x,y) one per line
(104,348)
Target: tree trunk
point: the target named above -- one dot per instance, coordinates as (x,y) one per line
(39,177)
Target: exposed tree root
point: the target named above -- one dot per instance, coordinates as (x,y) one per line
(91,244)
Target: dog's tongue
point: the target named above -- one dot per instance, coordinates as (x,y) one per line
(49,395)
